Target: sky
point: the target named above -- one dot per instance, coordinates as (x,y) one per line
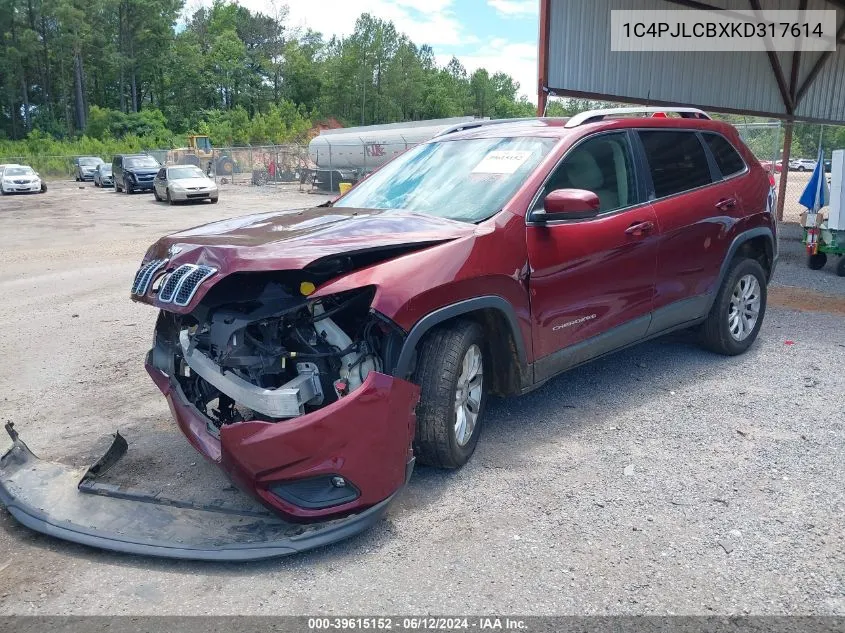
(499,35)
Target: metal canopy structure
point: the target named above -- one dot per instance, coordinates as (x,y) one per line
(575,59)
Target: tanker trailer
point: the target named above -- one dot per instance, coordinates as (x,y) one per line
(349,154)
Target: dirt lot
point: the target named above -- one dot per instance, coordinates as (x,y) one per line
(734,504)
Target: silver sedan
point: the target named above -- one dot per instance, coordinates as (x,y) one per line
(183,183)
(103,176)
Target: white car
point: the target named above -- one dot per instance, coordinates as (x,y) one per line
(184,183)
(802,164)
(21,179)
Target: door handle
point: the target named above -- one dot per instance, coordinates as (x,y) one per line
(638,228)
(726,203)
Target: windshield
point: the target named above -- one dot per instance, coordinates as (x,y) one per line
(19,171)
(141,161)
(90,162)
(105,168)
(468,180)
(188,171)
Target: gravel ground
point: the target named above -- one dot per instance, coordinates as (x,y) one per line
(662,480)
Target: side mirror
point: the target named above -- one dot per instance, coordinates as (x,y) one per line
(568,204)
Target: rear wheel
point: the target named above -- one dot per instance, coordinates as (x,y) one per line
(816,261)
(737,313)
(450,371)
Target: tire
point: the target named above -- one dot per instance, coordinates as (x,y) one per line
(840,266)
(170,200)
(225,166)
(43,187)
(817,261)
(127,187)
(155,194)
(725,331)
(445,356)
(801,168)
(214,200)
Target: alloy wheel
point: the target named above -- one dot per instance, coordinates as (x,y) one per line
(744,308)
(468,394)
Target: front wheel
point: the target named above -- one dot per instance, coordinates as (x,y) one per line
(737,313)
(214,201)
(127,186)
(169,198)
(450,371)
(840,266)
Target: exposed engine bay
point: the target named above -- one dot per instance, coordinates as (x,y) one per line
(257,348)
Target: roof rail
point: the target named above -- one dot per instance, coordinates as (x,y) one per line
(460,127)
(591,116)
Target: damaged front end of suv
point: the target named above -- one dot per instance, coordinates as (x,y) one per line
(289,394)
(278,368)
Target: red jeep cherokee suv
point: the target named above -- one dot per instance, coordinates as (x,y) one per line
(315,354)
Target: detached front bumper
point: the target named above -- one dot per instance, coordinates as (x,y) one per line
(71,504)
(364,439)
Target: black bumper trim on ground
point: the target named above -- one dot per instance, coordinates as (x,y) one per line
(129,525)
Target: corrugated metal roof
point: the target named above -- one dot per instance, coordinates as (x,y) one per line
(580,61)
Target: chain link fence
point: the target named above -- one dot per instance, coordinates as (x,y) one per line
(765,139)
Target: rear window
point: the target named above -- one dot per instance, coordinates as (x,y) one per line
(676,160)
(727,158)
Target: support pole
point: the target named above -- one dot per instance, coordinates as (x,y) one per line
(784,168)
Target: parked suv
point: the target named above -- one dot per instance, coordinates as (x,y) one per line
(134,172)
(314,355)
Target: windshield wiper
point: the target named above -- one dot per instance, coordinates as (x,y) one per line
(327,203)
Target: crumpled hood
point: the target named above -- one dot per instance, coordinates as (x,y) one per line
(292,239)
(289,240)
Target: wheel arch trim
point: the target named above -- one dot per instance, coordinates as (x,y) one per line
(738,241)
(432,319)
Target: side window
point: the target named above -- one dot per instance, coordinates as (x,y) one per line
(161,174)
(601,164)
(676,160)
(727,158)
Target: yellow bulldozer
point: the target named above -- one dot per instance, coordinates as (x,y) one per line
(200,153)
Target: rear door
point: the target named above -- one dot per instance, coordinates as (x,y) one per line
(696,207)
(592,280)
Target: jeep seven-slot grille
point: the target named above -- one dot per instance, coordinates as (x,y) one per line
(145,275)
(168,288)
(180,286)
